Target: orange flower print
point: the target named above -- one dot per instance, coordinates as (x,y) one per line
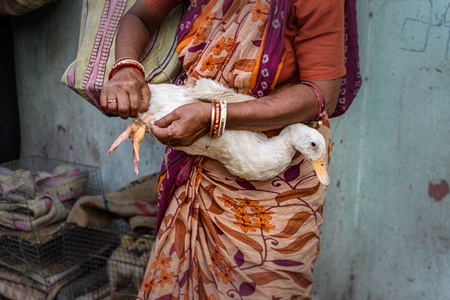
(230,45)
(245,226)
(263,224)
(212,297)
(209,18)
(241,213)
(165,278)
(208,64)
(147,285)
(227,201)
(153,285)
(259,12)
(154,264)
(164,262)
(226,276)
(219,46)
(222,64)
(217,253)
(248,202)
(262,213)
(199,35)
(195,271)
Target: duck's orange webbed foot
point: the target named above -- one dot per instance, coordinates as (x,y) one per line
(128,133)
(138,137)
(136,133)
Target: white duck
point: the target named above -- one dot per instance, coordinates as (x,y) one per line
(246,154)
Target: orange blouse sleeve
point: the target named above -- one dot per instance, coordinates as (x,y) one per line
(314,39)
(163,7)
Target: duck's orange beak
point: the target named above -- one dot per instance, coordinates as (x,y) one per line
(320,167)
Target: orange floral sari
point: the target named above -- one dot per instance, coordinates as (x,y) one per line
(219,236)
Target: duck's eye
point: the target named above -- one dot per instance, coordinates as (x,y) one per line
(313,144)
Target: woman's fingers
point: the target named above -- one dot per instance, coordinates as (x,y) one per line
(126,94)
(183,126)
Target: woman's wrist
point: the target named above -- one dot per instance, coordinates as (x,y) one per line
(126,62)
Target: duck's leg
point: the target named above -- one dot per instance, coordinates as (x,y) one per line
(138,137)
(128,133)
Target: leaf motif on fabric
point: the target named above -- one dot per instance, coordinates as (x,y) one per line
(172,249)
(184,279)
(194,213)
(203,278)
(245,184)
(297,193)
(247,288)
(206,220)
(210,190)
(299,279)
(215,208)
(292,173)
(257,43)
(245,65)
(165,297)
(239,258)
(167,219)
(182,196)
(320,210)
(297,245)
(239,236)
(180,237)
(266,277)
(287,263)
(294,224)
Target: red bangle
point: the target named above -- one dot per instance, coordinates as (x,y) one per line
(126,62)
(322,113)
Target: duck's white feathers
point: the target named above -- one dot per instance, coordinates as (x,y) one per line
(246,154)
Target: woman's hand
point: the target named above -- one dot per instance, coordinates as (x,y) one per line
(126,94)
(183,126)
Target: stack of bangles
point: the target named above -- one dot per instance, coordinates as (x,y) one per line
(126,62)
(218,118)
(322,113)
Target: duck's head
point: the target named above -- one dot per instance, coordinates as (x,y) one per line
(312,145)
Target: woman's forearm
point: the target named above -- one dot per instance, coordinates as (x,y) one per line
(288,104)
(135,30)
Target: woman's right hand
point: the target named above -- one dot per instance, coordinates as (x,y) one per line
(126,94)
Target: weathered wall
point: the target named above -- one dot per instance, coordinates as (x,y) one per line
(386,233)
(55,121)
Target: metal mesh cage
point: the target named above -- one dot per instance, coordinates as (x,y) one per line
(111,261)
(42,255)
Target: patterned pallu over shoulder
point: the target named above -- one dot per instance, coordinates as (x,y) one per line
(226,41)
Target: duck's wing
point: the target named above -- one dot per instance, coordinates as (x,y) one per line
(210,90)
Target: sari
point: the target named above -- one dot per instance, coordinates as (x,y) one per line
(220,236)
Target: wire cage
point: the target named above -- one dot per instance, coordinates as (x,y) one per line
(43,257)
(112,261)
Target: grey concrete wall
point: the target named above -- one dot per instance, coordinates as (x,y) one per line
(386,233)
(55,121)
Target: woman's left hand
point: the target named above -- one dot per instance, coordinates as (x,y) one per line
(183,126)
